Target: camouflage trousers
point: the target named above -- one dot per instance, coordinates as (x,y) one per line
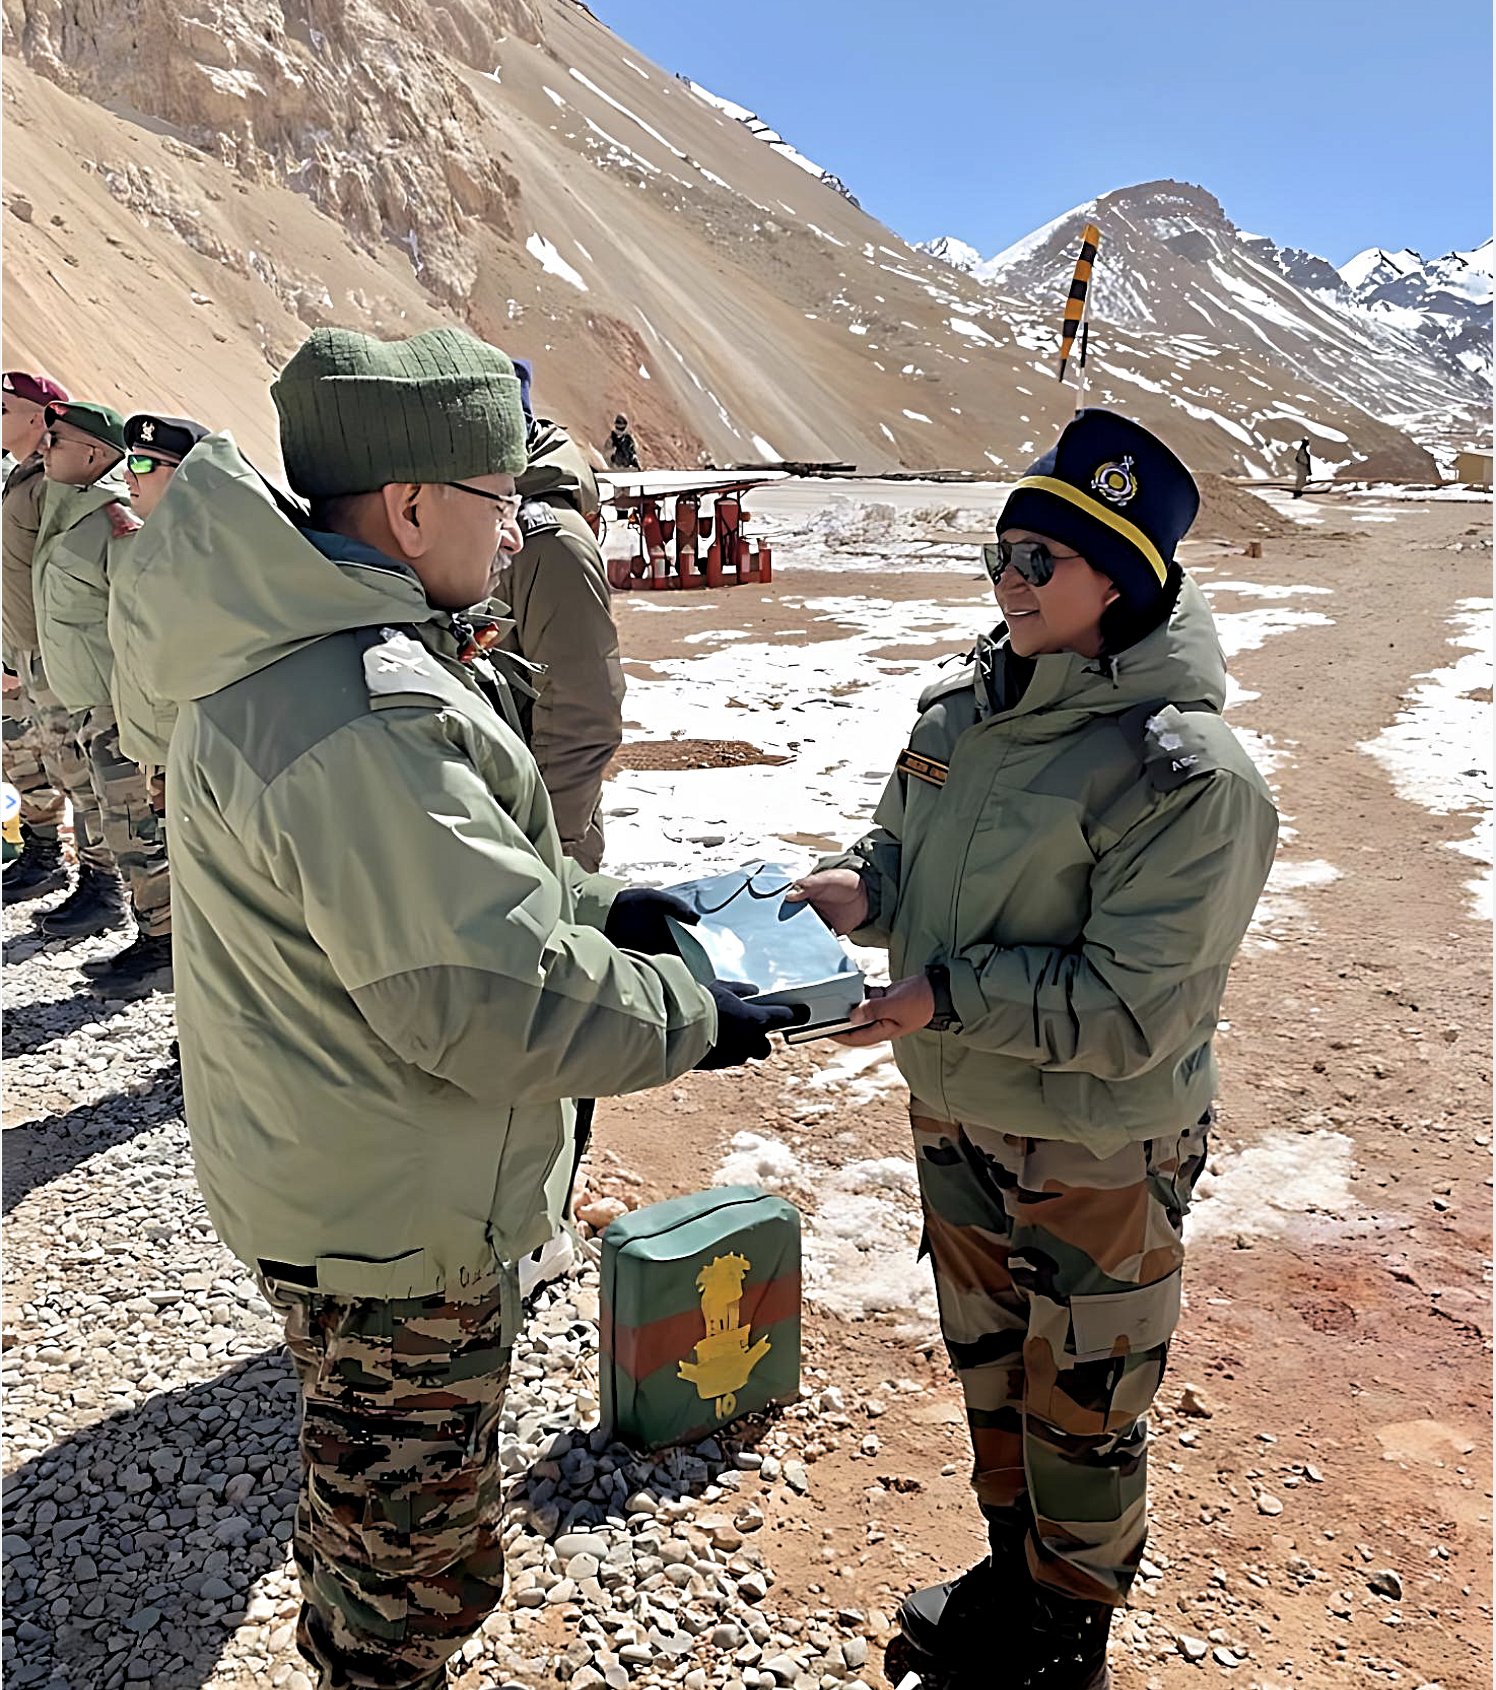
(42,804)
(1058,1278)
(397,1535)
(126,821)
(46,754)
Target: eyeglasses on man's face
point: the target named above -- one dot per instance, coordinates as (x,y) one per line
(508,503)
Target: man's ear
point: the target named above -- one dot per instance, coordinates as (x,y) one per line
(402,511)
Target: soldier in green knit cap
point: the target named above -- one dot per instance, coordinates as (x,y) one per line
(390,979)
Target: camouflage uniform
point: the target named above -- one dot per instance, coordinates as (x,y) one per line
(48,739)
(397,1535)
(1058,1278)
(42,758)
(41,802)
(124,825)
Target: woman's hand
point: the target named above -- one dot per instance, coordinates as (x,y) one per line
(890,1012)
(837,895)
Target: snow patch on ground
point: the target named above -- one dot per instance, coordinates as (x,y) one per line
(619,107)
(832,706)
(1279,907)
(859,1075)
(1251,590)
(552,262)
(1263,1191)
(1438,751)
(1249,630)
(765,1162)
(972,331)
(861,1236)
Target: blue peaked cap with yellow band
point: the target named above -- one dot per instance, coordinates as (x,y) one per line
(1116,494)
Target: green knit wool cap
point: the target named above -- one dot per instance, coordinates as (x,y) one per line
(358,413)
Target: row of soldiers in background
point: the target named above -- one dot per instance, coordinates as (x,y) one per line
(76,729)
(65,505)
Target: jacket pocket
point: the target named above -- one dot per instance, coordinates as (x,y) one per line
(413,1274)
(521,1209)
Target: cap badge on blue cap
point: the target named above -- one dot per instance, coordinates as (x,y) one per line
(1116,482)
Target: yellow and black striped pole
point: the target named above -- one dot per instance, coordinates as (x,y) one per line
(1075,305)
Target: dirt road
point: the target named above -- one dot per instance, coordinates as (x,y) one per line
(1323,1516)
(1321,1459)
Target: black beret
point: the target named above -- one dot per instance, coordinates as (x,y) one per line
(167,437)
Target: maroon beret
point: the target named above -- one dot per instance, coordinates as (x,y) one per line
(40,390)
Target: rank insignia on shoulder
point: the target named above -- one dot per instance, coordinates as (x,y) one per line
(922,768)
(537,517)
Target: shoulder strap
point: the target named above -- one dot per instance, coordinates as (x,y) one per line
(1170,750)
(537,517)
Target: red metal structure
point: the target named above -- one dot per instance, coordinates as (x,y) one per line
(668,551)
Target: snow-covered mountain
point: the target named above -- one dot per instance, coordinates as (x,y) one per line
(756,127)
(1404,278)
(1445,302)
(1371,269)
(958,254)
(653,246)
(1407,341)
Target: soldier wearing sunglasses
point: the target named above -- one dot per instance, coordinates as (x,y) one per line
(1062,869)
(86,517)
(154,450)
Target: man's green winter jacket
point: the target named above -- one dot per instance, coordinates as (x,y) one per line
(81,527)
(556,590)
(1084,858)
(20,523)
(388,977)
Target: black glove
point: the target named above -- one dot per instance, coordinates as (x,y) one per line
(743,1028)
(636,920)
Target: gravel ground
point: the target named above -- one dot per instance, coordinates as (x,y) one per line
(151,1462)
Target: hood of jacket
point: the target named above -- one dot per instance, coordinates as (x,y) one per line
(64,506)
(1180,661)
(223,583)
(558,470)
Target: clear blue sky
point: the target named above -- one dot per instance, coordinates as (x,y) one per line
(1327,124)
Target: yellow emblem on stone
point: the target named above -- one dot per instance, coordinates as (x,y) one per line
(724,1359)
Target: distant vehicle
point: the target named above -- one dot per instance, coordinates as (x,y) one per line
(688,548)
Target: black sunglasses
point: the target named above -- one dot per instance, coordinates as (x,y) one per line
(1031,558)
(138,464)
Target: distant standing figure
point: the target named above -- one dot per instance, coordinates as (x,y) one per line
(1301,467)
(621,452)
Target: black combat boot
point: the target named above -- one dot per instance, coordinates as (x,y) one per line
(97,904)
(949,1632)
(37,871)
(136,972)
(1066,1644)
